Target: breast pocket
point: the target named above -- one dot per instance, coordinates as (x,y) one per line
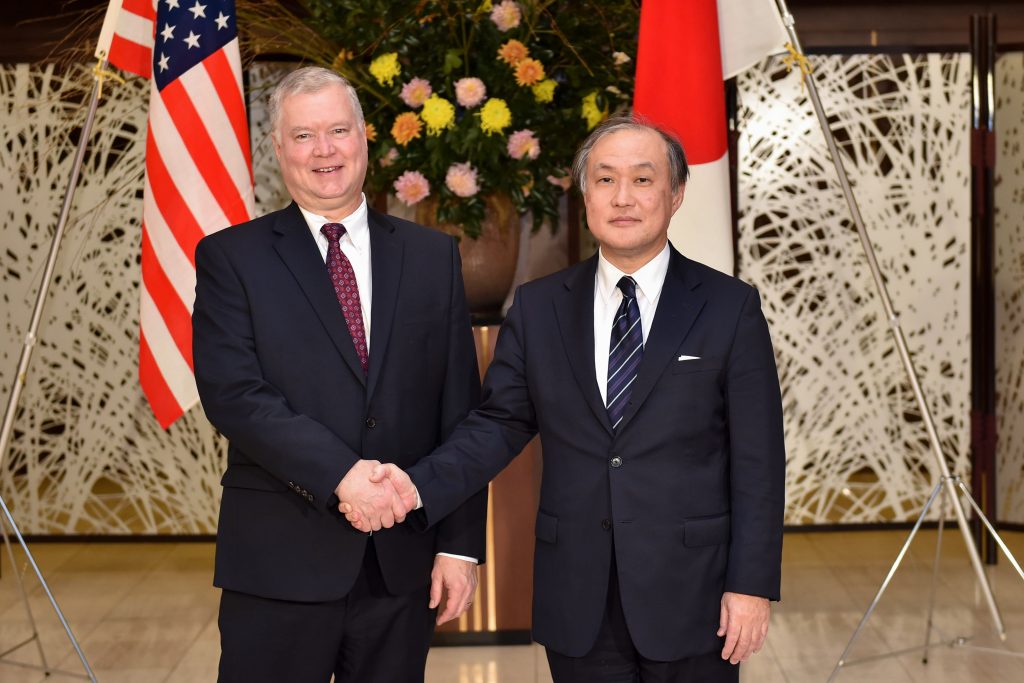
(705,364)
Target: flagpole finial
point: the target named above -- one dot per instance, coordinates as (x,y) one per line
(101,73)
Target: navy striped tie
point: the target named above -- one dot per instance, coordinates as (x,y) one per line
(626,351)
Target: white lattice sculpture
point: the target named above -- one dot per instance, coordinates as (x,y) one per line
(857,449)
(88,457)
(1009,276)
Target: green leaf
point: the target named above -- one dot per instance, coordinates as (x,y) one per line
(452,60)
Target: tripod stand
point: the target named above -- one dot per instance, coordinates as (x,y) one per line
(941,491)
(12,405)
(949,485)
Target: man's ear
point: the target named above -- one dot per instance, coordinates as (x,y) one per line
(677,198)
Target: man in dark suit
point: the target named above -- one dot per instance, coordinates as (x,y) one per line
(652,382)
(301,377)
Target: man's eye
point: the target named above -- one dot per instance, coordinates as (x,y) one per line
(643,180)
(340,131)
(604,180)
(302,136)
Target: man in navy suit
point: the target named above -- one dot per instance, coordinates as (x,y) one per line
(323,331)
(652,382)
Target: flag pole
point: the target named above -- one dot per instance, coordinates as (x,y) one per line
(950,485)
(31,337)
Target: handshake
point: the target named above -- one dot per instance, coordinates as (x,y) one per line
(374,495)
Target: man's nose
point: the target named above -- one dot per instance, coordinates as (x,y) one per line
(323,146)
(623,195)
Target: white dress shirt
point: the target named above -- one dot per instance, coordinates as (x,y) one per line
(607,296)
(355,244)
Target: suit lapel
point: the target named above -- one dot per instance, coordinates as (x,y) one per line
(298,250)
(680,303)
(386,270)
(575,313)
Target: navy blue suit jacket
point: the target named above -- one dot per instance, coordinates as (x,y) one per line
(278,375)
(687,493)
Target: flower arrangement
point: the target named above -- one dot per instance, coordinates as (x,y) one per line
(467,99)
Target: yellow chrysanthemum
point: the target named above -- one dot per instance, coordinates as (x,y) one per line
(438,113)
(495,116)
(591,112)
(407,128)
(544,91)
(513,52)
(386,68)
(529,72)
(371,132)
(485,6)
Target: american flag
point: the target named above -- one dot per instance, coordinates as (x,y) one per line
(198,169)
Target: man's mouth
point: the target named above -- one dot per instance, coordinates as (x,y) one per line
(327,169)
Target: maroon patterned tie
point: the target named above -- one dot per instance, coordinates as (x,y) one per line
(344,280)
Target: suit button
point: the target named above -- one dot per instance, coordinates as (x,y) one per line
(616,461)
(371,423)
(606,524)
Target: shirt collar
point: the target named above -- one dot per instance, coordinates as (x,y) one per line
(356,224)
(650,278)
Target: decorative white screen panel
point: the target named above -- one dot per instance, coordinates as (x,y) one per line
(857,449)
(1009,277)
(86,455)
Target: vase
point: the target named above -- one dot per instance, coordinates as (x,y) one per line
(489,261)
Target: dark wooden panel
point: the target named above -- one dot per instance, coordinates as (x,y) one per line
(902,23)
(30,30)
(505,594)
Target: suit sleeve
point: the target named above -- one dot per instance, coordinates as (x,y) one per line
(237,399)
(464,531)
(757,458)
(487,440)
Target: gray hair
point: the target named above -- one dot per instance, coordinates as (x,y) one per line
(309,79)
(678,168)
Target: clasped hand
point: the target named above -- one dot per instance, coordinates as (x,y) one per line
(374,496)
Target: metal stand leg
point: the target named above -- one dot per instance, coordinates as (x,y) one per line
(943,487)
(53,601)
(24,600)
(885,584)
(988,525)
(935,577)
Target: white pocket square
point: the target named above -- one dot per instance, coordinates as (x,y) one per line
(685,357)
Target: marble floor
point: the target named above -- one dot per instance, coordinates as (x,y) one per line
(145,612)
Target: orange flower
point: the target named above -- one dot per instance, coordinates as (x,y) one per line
(529,71)
(371,132)
(513,52)
(407,128)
